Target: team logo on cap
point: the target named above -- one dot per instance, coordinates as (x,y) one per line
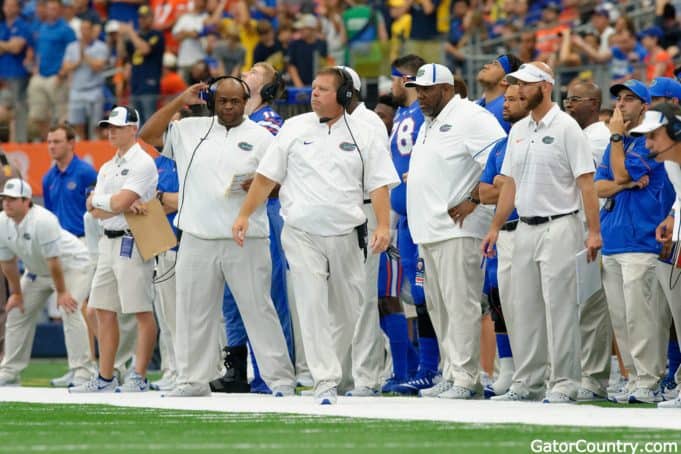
(124,172)
(114,113)
(9,186)
(547,139)
(71,185)
(245,146)
(347,146)
(445,128)
(420,72)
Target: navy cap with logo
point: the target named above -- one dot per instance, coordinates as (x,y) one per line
(121,116)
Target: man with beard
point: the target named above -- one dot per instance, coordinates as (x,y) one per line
(633,184)
(447,221)
(583,103)
(213,154)
(499,268)
(548,166)
(491,79)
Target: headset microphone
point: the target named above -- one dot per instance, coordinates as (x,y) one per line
(654,154)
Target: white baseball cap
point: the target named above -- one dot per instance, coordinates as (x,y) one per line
(652,120)
(529,73)
(17,188)
(121,116)
(431,74)
(356,81)
(306,21)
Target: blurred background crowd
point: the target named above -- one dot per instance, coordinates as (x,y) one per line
(75,59)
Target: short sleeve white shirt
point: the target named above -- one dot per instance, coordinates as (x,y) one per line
(134,171)
(207,205)
(545,159)
(446,163)
(674,174)
(37,238)
(372,121)
(598,136)
(320,172)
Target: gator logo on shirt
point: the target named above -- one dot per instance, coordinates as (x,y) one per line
(71,185)
(547,139)
(347,146)
(245,146)
(27,236)
(445,128)
(124,172)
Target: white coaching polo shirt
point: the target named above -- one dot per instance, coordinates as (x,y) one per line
(38,237)
(372,121)
(209,202)
(136,172)
(320,172)
(544,159)
(446,163)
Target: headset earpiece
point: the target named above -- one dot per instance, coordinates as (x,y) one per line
(673,125)
(344,93)
(269,92)
(213,84)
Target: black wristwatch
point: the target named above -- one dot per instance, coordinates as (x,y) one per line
(616,137)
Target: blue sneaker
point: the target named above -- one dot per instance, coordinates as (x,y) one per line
(258,386)
(389,385)
(422,380)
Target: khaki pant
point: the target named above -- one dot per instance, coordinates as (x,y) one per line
(165,305)
(47,98)
(671,298)
(544,312)
(20,329)
(328,281)
(453,285)
(203,267)
(596,334)
(630,284)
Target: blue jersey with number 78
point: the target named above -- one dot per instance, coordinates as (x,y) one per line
(406,125)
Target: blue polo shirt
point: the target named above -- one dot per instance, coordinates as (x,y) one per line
(496,108)
(167,181)
(51,45)
(493,167)
(65,193)
(12,65)
(630,225)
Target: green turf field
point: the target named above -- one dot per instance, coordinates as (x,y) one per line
(58,428)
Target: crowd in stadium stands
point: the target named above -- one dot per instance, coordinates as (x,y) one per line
(74,59)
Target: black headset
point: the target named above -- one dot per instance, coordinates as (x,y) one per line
(209,95)
(271,91)
(673,125)
(345,90)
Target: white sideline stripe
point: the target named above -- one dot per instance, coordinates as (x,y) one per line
(396,408)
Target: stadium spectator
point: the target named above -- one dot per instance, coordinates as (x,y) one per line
(307,54)
(526,47)
(172,82)
(333,30)
(657,60)
(269,48)
(188,30)
(84,63)
(166,13)
(48,91)
(123,11)
(424,38)
(600,23)
(366,31)
(228,51)
(15,38)
(454,54)
(627,53)
(671,28)
(143,51)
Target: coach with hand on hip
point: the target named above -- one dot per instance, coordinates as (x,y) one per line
(324,160)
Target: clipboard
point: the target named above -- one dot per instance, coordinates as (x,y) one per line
(152,231)
(588,276)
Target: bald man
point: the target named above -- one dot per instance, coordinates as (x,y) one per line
(548,166)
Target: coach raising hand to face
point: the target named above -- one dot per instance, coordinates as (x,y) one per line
(324,160)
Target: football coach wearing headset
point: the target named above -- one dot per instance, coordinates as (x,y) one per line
(324,161)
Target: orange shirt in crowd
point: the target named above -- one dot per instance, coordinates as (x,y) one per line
(166,13)
(172,84)
(651,61)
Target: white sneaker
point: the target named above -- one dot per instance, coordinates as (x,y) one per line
(645,396)
(485,380)
(326,397)
(676,403)
(305,380)
(557,397)
(307,392)
(586,395)
(9,380)
(670,393)
(618,385)
(284,391)
(189,390)
(510,396)
(64,381)
(457,392)
(134,383)
(362,391)
(443,386)
(166,383)
(95,385)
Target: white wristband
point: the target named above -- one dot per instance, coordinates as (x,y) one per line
(102,201)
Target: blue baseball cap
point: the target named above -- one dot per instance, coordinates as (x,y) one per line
(655,32)
(635,86)
(665,87)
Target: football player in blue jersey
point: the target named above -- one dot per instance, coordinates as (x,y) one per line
(406,124)
(491,79)
(266,85)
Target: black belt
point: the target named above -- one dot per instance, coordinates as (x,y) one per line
(537,220)
(510,226)
(116,233)
(367,201)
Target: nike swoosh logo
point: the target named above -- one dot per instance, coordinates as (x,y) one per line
(305,142)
